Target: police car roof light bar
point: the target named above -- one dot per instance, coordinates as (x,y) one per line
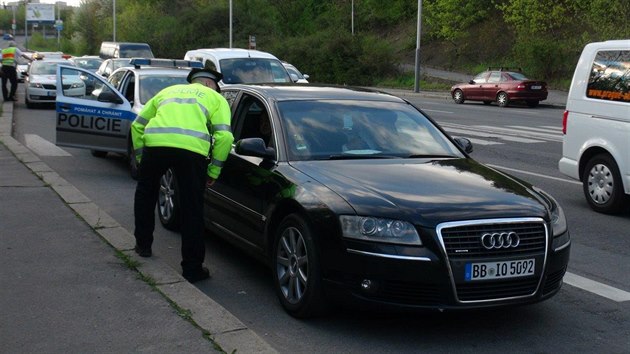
(165,63)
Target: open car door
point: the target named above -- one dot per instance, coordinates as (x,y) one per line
(91,113)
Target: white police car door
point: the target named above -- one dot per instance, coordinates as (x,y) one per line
(91,113)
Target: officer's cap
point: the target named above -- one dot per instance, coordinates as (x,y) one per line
(207,73)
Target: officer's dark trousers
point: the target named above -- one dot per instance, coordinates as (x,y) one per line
(190,171)
(9,73)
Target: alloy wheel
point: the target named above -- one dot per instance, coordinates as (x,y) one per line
(166,197)
(292,265)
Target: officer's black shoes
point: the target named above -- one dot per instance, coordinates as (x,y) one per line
(198,275)
(143,252)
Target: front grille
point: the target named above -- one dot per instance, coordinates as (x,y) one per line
(496,290)
(465,241)
(49,86)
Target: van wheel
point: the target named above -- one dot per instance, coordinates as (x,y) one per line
(502,99)
(458,96)
(602,185)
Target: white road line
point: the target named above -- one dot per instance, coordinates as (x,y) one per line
(491,135)
(535,174)
(596,288)
(554,137)
(434,110)
(483,142)
(557,130)
(43,147)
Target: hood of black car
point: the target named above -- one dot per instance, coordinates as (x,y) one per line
(426,191)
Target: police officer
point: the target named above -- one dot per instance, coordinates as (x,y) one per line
(178,128)
(9,71)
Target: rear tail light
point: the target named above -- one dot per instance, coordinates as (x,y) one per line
(565,116)
(521,87)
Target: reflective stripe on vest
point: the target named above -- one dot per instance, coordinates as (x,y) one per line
(217,163)
(221,127)
(186,101)
(141,121)
(180,131)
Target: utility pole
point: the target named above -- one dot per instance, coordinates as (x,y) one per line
(230,23)
(114,15)
(25,24)
(416,87)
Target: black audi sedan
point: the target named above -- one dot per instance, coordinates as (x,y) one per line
(351,194)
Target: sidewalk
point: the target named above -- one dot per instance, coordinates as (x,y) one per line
(71,283)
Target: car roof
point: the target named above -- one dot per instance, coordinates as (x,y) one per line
(297,92)
(230,53)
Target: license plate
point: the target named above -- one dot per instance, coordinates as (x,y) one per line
(536,87)
(499,270)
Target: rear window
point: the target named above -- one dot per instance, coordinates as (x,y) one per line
(135,51)
(253,70)
(610,76)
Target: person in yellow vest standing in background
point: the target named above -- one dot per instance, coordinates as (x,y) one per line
(9,70)
(178,128)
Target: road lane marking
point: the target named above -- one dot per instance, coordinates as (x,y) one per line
(497,136)
(551,136)
(535,174)
(436,111)
(597,288)
(483,142)
(539,129)
(43,147)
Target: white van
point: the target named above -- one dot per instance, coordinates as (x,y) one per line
(596,125)
(241,65)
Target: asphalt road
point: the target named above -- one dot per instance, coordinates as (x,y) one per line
(521,141)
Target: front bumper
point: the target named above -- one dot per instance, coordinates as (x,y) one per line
(427,277)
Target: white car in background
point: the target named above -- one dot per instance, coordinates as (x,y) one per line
(41,82)
(295,74)
(22,67)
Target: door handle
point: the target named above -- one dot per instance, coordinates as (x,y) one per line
(64,107)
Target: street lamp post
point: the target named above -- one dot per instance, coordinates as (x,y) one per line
(416,87)
(230,23)
(114,16)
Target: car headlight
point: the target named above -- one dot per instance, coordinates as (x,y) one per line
(368,228)
(35,85)
(559,226)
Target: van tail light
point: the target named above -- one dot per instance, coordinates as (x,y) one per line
(565,116)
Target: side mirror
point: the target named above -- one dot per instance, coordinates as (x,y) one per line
(294,77)
(108,96)
(306,76)
(254,147)
(472,82)
(465,144)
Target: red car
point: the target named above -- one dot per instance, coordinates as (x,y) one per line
(501,86)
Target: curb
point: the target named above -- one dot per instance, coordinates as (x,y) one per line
(225,330)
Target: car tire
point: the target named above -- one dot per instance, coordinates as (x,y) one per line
(168,207)
(98,153)
(28,103)
(502,99)
(533,104)
(458,96)
(297,269)
(602,185)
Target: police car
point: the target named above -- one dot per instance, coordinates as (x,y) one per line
(101,120)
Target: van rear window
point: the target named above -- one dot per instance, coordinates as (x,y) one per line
(610,76)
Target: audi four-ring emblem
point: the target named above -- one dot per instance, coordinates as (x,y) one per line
(500,240)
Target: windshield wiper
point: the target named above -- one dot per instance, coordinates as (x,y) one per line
(428,156)
(360,157)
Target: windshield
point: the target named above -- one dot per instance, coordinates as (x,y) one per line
(138,51)
(91,64)
(335,129)
(151,85)
(253,70)
(45,67)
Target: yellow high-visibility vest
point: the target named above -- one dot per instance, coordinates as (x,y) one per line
(188,116)
(8,56)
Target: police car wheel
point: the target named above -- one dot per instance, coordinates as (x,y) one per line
(133,164)
(168,201)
